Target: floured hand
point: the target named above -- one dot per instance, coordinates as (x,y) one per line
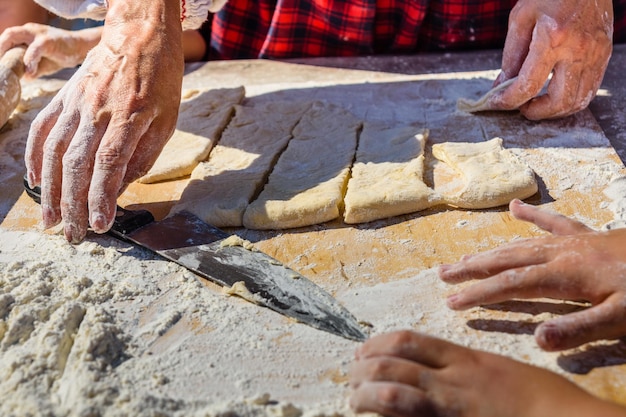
(570,39)
(404,374)
(49,49)
(107,125)
(574,263)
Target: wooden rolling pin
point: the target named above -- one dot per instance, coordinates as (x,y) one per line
(11,70)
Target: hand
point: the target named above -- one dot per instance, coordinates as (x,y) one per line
(49,49)
(404,374)
(572,39)
(574,263)
(107,125)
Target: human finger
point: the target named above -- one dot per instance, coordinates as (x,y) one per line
(554,223)
(111,160)
(55,148)
(390,369)
(535,281)
(39,130)
(151,143)
(78,166)
(516,254)
(603,321)
(409,345)
(14,36)
(561,97)
(517,42)
(391,399)
(531,77)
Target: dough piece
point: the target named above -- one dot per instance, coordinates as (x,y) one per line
(222,187)
(483,103)
(307,184)
(387,177)
(201,119)
(493,176)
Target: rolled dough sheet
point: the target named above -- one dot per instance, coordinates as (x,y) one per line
(307,184)
(492,175)
(202,118)
(221,188)
(388,174)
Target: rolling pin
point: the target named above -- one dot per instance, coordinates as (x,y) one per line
(11,70)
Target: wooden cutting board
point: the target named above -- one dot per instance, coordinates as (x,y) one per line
(572,158)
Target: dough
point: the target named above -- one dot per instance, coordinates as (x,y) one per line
(202,118)
(492,175)
(307,184)
(482,104)
(387,177)
(221,188)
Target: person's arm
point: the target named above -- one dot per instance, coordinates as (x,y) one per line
(405,374)
(17,13)
(107,125)
(50,49)
(574,263)
(568,39)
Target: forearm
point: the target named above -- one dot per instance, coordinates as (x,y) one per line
(191,13)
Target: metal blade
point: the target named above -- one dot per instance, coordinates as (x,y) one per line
(204,249)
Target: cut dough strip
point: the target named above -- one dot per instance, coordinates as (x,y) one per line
(221,188)
(493,176)
(202,118)
(307,184)
(387,177)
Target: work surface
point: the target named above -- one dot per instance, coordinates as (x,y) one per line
(201,348)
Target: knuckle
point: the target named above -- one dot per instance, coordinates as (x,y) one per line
(108,158)
(401,338)
(379,367)
(74,162)
(388,396)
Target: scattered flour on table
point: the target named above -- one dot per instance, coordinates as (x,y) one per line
(616,192)
(106,329)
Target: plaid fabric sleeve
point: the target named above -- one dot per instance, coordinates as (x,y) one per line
(309,28)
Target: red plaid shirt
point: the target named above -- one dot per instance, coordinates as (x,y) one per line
(309,28)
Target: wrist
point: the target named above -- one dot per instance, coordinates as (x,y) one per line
(163,12)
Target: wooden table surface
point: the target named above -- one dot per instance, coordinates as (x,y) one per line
(417,90)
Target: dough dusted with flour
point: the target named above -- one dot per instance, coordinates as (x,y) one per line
(387,176)
(202,118)
(492,175)
(221,188)
(307,184)
(483,103)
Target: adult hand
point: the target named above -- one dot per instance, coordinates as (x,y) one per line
(574,263)
(404,374)
(49,49)
(570,39)
(107,125)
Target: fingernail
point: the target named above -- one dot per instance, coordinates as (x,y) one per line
(71,234)
(452,300)
(97,221)
(549,337)
(31,179)
(444,268)
(49,217)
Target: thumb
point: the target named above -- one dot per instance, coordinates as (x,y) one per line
(602,322)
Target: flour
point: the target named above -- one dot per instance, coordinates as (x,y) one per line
(107,329)
(616,191)
(104,328)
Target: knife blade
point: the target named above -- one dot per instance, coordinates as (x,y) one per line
(214,255)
